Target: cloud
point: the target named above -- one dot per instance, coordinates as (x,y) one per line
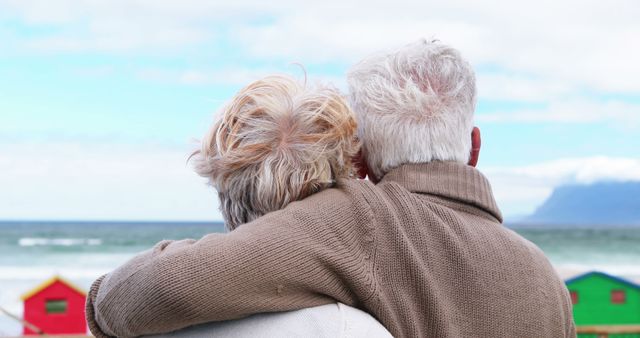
(236,76)
(325,38)
(583,46)
(519,87)
(101,182)
(112,26)
(581,110)
(539,51)
(581,43)
(120,36)
(580,170)
(521,189)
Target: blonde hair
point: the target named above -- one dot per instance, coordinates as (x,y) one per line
(277,142)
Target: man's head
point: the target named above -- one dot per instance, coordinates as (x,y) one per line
(276,142)
(414,105)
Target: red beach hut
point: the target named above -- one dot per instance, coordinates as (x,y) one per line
(55,307)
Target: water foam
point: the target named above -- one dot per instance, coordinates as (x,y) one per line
(41,241)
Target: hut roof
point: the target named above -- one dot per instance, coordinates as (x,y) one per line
(48,283)
(599,273)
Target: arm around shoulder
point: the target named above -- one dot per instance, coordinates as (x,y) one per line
(280,262)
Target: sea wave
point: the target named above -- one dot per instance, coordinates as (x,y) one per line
(41,273)
(41,241)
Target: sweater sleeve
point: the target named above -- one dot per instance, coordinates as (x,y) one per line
(290,259)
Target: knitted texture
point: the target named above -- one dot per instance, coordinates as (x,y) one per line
(424,251)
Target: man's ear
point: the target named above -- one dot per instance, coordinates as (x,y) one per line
(475,147)
(361,165)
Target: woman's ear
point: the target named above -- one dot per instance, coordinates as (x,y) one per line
(361,165)
(475,147)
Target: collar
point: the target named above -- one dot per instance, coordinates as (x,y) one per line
(450,180)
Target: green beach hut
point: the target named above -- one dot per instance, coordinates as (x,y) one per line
(602,299)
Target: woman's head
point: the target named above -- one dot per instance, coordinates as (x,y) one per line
(277,142)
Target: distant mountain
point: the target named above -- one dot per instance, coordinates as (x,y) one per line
(603,203)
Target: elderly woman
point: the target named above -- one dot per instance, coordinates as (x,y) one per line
(278,142)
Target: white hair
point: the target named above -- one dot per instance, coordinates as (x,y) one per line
(413,105)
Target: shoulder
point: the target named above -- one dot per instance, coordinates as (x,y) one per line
(340,217)
(349,200)
(351,191)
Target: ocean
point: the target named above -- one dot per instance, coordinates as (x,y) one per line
(31,252)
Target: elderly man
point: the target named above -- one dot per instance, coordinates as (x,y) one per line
(420,245)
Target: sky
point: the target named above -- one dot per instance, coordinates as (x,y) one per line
(101,102)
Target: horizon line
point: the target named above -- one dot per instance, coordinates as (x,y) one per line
(107,221)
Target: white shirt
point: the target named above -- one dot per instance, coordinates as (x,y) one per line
(331,320)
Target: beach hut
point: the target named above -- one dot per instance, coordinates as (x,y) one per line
(602,299)
(56,307)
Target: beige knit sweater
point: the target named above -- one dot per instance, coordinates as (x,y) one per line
(424,251)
